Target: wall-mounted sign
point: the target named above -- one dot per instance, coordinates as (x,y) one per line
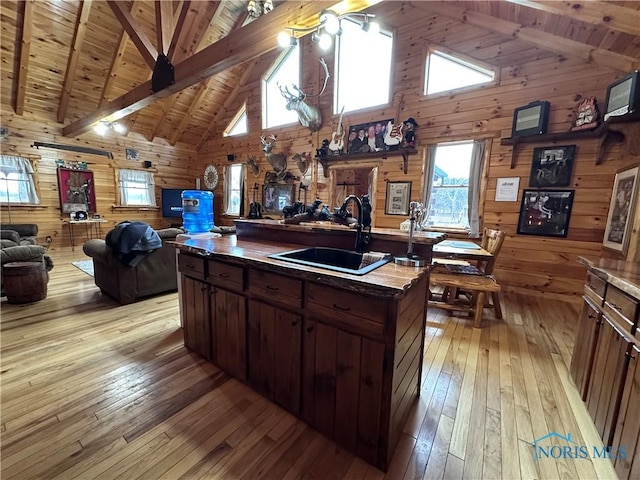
(507,189)
(132,154)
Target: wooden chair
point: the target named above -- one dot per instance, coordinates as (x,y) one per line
(476,290)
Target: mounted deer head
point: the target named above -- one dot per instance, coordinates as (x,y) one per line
(277,160)
(252,163)
(308,115)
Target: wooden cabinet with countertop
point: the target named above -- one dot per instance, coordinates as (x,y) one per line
(604,361)
(342,352)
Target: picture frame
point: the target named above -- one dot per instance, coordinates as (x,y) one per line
(276,196)
(356,144)
(76,190)
(621,210)
(530,119)
(545,213)
(132,154)
(397,198)
(552,166)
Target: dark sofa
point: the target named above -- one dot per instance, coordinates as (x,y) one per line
(156,273)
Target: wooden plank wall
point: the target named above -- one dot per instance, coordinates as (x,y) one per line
(536,265)
(172,167)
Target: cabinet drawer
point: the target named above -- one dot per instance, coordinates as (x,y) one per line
(596,285)
(191,265)
(349,310)
(276,287)
(625,305)
(225,275)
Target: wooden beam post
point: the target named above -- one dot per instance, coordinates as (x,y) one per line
(138,37)
(164,24)
(533,36)
(78,37)
(23,67)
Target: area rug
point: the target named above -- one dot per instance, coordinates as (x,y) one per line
(85,265)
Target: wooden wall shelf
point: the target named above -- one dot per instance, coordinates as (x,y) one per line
(608,132)
(332,159)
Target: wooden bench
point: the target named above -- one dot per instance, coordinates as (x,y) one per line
(479,285)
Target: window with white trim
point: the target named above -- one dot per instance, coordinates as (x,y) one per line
(136,188)
(363,68)
(445,72)
(452,196)
(284,72)
(234,180)
(17,182)
(238,125)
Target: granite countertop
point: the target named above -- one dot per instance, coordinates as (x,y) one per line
(425,238)
(622,274)
(389,280)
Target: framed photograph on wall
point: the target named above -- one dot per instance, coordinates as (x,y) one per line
(621,209)
(77,191)
(367,137)
(552,166)
(276,196)
(397,199)
(545,212)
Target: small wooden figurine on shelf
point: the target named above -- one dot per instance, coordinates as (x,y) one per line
(409,135)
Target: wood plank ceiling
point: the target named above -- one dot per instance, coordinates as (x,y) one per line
(74,62)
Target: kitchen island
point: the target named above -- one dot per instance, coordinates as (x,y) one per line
(342,352)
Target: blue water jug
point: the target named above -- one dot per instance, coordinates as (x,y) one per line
(197,211)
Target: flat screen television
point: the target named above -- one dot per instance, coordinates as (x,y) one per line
(623,96)
(171,199)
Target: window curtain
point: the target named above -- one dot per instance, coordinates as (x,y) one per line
(230,187)
(475,180)
(429,167)
(26,185)
(130,187)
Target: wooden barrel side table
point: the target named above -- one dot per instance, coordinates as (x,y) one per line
(24,282)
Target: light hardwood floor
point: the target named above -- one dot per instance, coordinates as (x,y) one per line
(91,389)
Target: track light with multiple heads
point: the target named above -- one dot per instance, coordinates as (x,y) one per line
(256,9)
(329,25)
(102,127)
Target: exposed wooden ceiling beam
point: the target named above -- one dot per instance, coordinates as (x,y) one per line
(137,36)
(191,43)
(250,41)
(116,61)
(225,105)
(23,66)
(78,38)
(533,36)
(185,20)
(164,24)
(606,14)
(195,103)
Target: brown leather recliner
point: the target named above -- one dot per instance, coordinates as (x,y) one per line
(156,273)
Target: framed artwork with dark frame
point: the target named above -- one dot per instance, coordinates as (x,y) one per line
(545,212)
(276,196)
(621,210)
(362,136)
(552,166)
(76,190)
(397,199)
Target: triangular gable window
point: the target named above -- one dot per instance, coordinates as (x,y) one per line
(445,72)
(238,125)
(285,72)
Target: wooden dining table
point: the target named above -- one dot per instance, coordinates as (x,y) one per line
(463,250)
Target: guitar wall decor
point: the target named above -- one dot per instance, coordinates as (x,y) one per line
(393,136)
(337,138)
(255,209)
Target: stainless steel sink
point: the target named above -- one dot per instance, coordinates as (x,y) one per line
(335,259)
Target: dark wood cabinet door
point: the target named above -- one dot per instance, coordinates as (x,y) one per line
(585,346)
(627,434)
(609,369)
(229,332)
(342,387)
(274,352)
(197,323)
